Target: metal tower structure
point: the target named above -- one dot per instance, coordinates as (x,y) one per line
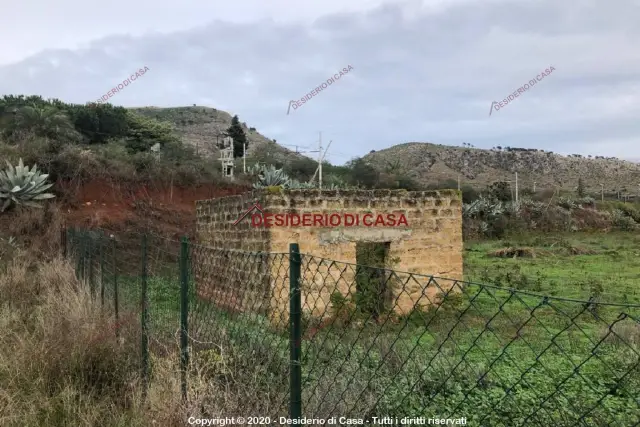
(226,156)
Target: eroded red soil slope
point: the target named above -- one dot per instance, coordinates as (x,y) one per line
(167,210)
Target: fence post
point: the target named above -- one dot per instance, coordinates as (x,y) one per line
(184,314)
(295,314)
(144,320)
(116,301)
(102,269)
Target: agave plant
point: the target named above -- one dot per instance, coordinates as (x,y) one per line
(486,208)
(269,176)
(295,184)
(336,183)
(255,170)
(23,186)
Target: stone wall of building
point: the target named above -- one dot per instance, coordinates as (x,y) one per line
(224,271)
(215,218)
(429,244)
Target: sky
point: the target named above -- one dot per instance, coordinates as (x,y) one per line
(422,71)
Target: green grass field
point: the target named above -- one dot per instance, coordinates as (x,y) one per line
(497,356)
(606,266)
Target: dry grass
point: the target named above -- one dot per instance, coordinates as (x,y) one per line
(60,364)
(580,250)
(514,253)
(50,375)
(37,230)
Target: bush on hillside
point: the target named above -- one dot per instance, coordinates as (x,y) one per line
(76,143)
(58,120)
(623,221)
(630,210)
(494,218)
(301,169)
(74,164)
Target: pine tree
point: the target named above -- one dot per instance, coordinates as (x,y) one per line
(239,138)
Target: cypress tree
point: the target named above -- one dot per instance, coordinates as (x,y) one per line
(239,138)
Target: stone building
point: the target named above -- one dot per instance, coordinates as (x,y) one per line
(416,232)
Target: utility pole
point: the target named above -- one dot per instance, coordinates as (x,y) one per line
(516,187)
(244,156)
(320,160)
(458,182)
(321,156)
(534,186)
(602,192)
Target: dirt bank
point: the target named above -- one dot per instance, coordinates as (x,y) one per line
(164,209)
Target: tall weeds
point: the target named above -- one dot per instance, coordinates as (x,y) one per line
(61,365)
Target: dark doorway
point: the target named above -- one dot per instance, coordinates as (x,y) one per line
(372,294)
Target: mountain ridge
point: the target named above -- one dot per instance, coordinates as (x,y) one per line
(425,162)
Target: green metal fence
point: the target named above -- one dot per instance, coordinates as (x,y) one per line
(335,339)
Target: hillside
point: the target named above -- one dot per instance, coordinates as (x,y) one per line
(114,142)
(428,163)
(202,127)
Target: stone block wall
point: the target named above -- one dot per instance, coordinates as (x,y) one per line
(430,243)
(224,273)
(215,228)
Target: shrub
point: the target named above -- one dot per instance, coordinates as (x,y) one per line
(622,221)
(566,203)
(587,202)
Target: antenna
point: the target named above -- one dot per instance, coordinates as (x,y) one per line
(319,168)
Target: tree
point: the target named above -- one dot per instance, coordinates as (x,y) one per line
(101,122)
(301,169)
(500,190)
(239,138)
(363,173)
(144,132)
(581,190)
(393,167)
(45,121)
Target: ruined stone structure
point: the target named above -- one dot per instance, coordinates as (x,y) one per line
(428,243)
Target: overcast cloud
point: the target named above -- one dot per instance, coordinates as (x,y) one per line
(423,71)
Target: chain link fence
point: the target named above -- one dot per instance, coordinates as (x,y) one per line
(320,338)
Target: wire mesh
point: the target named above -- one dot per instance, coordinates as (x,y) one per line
(379,342)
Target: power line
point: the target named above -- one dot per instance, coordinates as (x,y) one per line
(292,145)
